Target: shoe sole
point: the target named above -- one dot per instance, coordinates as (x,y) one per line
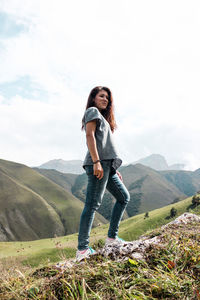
(78,260)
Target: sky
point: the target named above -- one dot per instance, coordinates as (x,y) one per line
(53,52)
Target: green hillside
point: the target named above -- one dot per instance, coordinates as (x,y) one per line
(48,250)
(32,206)
(65,180)
(19,218)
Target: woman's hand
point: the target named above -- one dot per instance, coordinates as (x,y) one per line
(98,170)
(120,176)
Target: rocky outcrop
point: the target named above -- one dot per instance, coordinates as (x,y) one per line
(137,249)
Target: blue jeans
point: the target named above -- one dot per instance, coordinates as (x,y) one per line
(94,196)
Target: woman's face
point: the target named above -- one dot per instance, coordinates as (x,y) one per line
(101,100)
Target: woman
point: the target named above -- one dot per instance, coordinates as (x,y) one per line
(101,163)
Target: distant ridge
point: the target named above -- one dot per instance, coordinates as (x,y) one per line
(158,162)
(154,161)
(64,166)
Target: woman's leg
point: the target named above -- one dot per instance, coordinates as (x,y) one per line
(94,195)
(116,187)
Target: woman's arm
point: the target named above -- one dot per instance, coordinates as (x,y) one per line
(92,147)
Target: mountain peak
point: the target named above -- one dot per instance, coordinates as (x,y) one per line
(154,161)
(64,166)
(158,162)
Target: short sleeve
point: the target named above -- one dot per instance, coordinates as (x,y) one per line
(92,113)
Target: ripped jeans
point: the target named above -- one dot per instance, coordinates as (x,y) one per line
(94,196)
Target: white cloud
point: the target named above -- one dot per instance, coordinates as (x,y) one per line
(146,51)
(33,132)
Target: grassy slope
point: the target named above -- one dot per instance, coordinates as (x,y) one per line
(62,179)
(61,201)
(155,189)
(130,229)
(136,226)
(24,214)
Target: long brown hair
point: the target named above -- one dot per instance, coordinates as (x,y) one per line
(107,113)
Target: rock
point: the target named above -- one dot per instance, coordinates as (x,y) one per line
(66,264)
(135,249)
(183,219)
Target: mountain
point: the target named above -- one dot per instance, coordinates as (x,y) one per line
(149,189)
(66,181)
(176,167)
(39,203)
(34,207)
(158,162)
(187,182)
(154,161)
(65,166)
(197,173)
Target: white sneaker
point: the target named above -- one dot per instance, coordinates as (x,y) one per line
(80,256)
(116,241)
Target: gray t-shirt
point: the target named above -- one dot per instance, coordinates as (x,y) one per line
(104,139)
